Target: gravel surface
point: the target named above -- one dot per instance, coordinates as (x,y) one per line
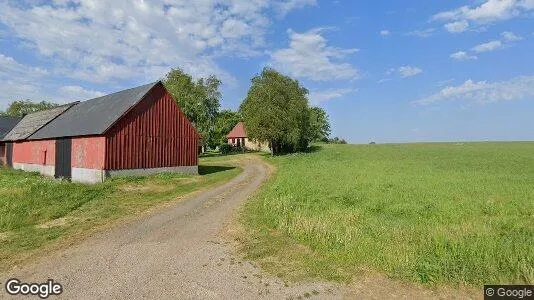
(175,253)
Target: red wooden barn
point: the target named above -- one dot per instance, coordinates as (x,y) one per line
(135,131)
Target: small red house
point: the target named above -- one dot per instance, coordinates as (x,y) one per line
(135,131)
(238,137)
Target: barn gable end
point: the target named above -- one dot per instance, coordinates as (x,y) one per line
(154,134)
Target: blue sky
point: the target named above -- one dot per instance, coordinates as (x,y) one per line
(385,71)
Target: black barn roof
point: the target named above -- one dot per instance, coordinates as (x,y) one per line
(95,116)
(6,124)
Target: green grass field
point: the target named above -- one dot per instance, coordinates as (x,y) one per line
(36,212)
(451,213)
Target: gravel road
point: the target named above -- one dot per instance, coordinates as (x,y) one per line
(176,253)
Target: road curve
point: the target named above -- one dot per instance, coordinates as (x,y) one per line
(176,253)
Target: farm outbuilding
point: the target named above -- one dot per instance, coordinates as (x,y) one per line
(238,137)
(6,149)
(32,156)
(136,131)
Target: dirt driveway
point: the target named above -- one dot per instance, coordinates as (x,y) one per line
(177,253)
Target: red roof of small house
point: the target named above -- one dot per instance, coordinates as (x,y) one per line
(238,131)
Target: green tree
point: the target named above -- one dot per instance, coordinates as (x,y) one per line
(19,109)
(276,111)
(198,99)
(224,123)
(319,125)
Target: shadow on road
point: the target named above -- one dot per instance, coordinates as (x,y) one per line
(205,170)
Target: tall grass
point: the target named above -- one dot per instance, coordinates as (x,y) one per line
(431,213)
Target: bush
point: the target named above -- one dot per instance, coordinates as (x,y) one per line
(225,148)
(337,140)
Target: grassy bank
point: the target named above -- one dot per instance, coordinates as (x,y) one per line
(36,212)
(430,213)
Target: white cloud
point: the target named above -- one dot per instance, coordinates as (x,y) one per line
(403,72)
(488,11)
(457,27)
(487,47)
(233,28)
(383,80)
(76,92)
(100,41)
(507,39)
(126,41)
(310,56)
(444,82)
(422,33)
(318,97)
(385,32)
(9,66)
(409,71)
(510,36)
(286,6)
(462,55)
(483,92)
(20,82)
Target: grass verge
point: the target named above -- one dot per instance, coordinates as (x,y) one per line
(38,212)
(459,213)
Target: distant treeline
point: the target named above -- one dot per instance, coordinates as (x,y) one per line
(335,140)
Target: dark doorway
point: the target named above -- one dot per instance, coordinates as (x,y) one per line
(63,158)
(9,154)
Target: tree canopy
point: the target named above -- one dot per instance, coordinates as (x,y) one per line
(199,99)
(19,109)
(276,111)
(319,125)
